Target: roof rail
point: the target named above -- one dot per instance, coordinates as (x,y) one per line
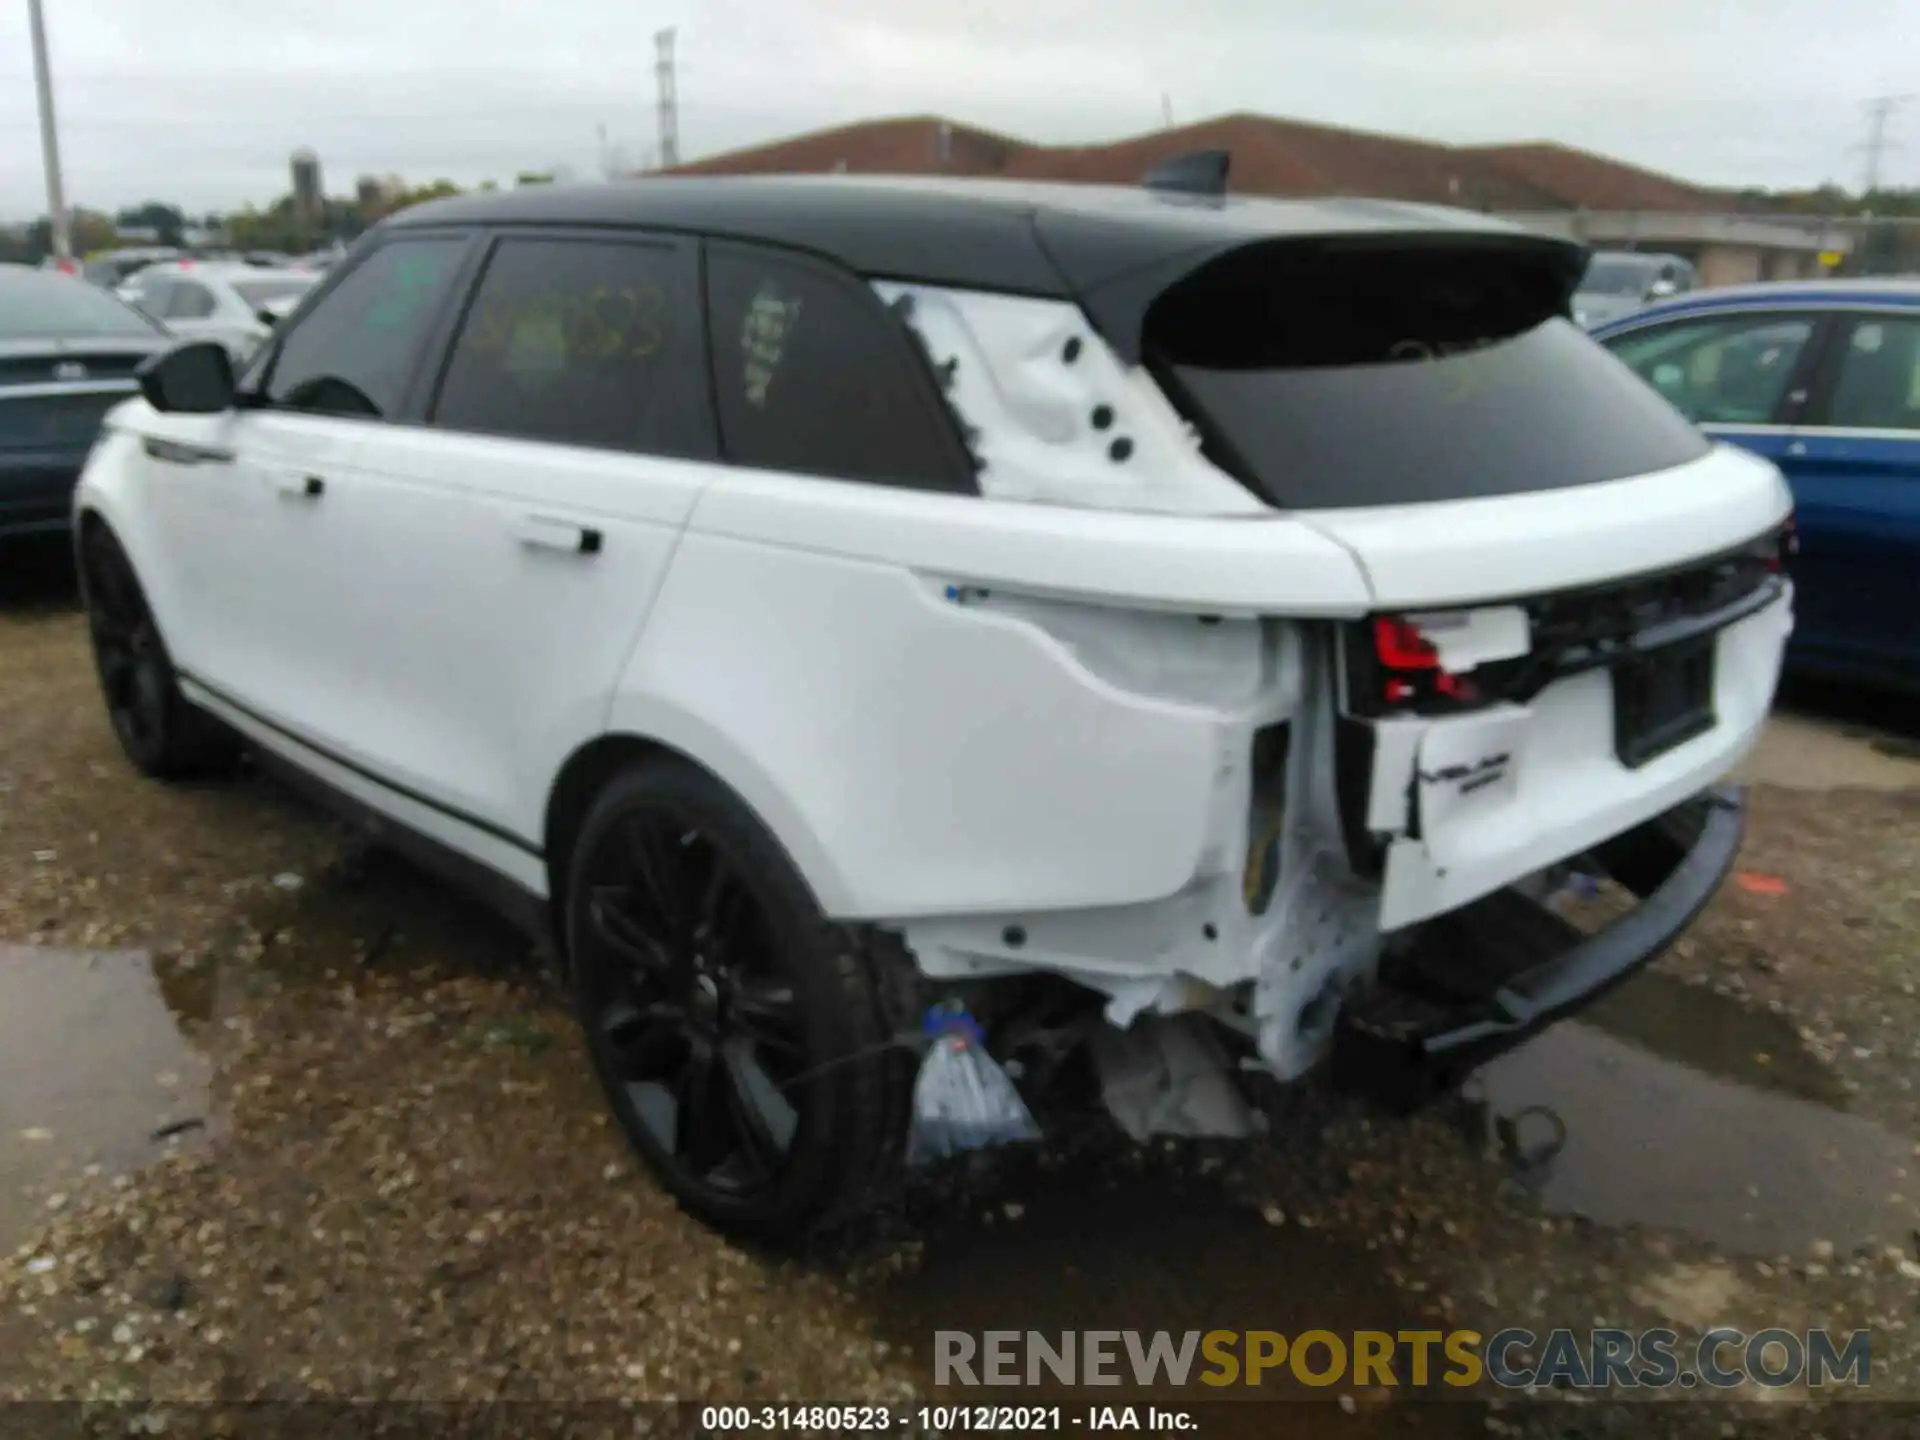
(1199,172)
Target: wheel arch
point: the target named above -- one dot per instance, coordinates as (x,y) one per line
(595,762)
(95,512)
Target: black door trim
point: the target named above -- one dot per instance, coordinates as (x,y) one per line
(486,827)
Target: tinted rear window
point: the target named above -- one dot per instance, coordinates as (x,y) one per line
(40,305)
(813,376)
(1384,379)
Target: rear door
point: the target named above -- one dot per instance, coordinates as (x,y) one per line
(1855,467)
(475,579)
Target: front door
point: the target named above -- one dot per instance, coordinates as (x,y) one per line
(473,581)
(246,492)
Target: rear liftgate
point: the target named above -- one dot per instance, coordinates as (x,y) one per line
(1468,984)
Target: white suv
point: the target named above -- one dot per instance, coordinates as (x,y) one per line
(1200,627)
(236,304)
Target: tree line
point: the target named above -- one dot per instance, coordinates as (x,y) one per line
(283,226)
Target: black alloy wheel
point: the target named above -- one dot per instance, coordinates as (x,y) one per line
(702,1037)
(737,1033)
(160,732)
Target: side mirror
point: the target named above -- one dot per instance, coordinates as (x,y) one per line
(193,378)
(266,317)
(1661,289)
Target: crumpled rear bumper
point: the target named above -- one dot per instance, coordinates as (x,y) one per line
(1511,968)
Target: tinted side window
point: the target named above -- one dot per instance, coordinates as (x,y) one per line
(586,342)
(353,352)
(1724,370)
(188,301)
(1878,385)
(812,374)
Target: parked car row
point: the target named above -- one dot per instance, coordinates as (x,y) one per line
(236,304)
(68,352)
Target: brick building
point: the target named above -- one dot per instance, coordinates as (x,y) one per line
(1608,203)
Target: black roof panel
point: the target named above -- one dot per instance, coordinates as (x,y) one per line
(1053,240)
(990,234)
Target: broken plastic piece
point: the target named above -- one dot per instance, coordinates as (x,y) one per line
(1166,1075)
(1754,883)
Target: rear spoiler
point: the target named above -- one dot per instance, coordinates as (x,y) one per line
(1119,306)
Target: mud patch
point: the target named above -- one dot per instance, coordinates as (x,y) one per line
(1683,1110)
(97,1074)
(1099,1248)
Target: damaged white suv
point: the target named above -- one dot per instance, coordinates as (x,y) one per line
(1188,631)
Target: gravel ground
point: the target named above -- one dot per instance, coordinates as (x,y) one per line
(406,1188)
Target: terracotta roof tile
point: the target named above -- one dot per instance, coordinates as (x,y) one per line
(1270,157)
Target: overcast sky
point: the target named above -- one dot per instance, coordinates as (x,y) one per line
(201,101)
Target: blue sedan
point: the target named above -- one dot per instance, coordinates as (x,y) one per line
(1822,378)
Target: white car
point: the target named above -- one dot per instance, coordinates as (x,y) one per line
(235,304)
(1183,631)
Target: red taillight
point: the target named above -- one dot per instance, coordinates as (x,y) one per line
(1787,544)
(1412,666)
(1401,646)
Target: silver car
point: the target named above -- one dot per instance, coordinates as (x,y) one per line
(235,304)
(1618,282)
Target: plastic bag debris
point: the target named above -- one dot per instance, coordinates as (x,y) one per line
(962,1099)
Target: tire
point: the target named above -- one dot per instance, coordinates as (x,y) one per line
(162,733)
(752,1050)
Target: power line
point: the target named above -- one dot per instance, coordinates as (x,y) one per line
(669,101)
(1879,110)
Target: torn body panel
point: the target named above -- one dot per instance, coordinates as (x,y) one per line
(1052,414)
(1341,808)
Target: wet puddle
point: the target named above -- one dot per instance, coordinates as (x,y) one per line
(1686,1111)
(95,1068)
(1150,1254)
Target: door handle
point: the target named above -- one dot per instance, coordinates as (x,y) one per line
(544,532)
(298,484)
(1797,447)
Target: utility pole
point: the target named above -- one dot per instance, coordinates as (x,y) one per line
(49,139)
(669,101)
(1879,110)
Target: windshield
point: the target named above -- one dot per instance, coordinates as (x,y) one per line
(1617,275)
(40,305)
(261,292)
